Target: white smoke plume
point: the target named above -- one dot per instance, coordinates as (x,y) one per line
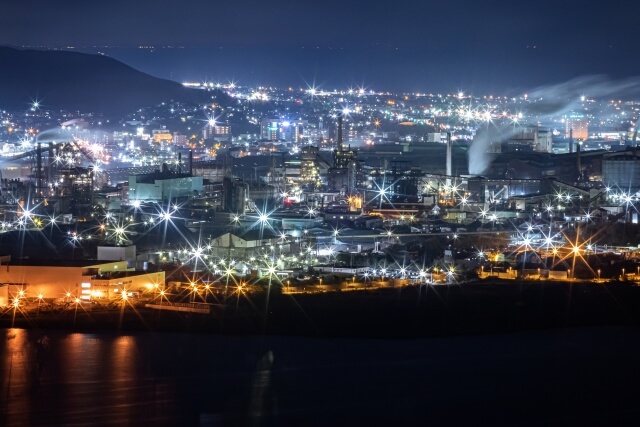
(547,102)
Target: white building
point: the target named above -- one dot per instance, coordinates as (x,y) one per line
(283,130)
(70,280)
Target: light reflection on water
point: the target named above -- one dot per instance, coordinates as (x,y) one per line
(16,372)
(57,378)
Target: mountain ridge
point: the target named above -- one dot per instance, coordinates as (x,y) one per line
(75,81)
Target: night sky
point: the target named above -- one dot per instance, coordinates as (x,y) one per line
(405,44)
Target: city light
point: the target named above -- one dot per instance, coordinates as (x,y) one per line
(384,199)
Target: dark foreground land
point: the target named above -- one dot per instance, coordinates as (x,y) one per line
(496,366)
(409,312)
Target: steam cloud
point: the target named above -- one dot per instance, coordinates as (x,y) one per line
(53,135)
(552,101)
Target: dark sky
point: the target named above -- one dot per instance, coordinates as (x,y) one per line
(537,40)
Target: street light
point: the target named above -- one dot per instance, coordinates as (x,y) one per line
(40,298)
(422,274)
(524,260)
(193,291)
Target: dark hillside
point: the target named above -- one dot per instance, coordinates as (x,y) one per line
(75,81)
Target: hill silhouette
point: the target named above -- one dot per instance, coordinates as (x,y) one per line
(63,80)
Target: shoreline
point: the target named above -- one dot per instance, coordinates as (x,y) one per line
(477,308)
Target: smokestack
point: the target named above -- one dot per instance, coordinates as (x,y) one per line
(50,164)
(449,171)
(39,175)
(190,162)
(571,140)
(179,162)
(340,132)
(578,162)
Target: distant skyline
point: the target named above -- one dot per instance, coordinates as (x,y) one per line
(401,45)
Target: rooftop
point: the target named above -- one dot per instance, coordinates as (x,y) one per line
(33,262)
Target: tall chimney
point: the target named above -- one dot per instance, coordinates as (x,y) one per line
(50,163)
(179,162)
(190,162)
(340,132)
(449,171)
(571,140)
(579,162)
(39,176)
